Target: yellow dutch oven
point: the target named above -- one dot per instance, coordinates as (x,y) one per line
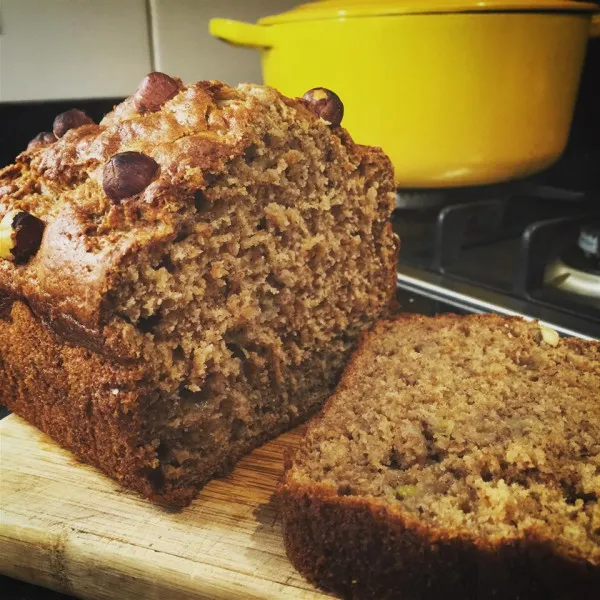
(457,92)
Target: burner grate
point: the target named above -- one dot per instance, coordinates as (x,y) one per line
(501,245)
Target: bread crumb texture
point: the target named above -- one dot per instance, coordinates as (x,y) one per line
(227,293)
(480,430)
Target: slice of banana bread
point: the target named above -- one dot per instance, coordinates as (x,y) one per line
(459,458)
(186,278)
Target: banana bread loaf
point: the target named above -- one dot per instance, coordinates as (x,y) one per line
(185,279)
(459,458)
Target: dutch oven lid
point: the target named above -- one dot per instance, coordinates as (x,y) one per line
(346,9)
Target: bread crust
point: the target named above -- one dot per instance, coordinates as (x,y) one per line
(101,410)
(363,548)
(360,549)
(89,241)
(78,397)
(77,366)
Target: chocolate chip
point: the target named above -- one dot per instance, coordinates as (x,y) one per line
(71,119)
(326,104)
(127,174)
(20,236)
(155,89)
(41,139)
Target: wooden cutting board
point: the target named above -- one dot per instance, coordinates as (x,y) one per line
(65,526)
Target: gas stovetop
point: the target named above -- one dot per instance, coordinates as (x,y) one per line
(520,249)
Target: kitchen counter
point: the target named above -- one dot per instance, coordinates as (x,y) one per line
(13,589)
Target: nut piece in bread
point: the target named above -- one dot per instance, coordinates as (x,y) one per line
(326,104)
(20,235)
(41,139)
(127,174)
(156,88)
(70,119)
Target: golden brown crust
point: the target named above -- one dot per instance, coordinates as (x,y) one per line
(361,547)
(102,411)
(85,402)
(89,240)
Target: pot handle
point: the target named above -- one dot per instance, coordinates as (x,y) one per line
(595,28)
(238,33)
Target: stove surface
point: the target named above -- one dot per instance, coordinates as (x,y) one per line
(515,249)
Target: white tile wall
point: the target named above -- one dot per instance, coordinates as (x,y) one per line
(59,49)
(73,49)
(0,50)
(183,46)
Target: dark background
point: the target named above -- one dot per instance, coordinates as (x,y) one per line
(20,122)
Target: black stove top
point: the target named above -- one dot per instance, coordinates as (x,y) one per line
(520,248)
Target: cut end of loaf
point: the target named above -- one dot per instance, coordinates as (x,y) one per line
(249,314)
(480,430)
